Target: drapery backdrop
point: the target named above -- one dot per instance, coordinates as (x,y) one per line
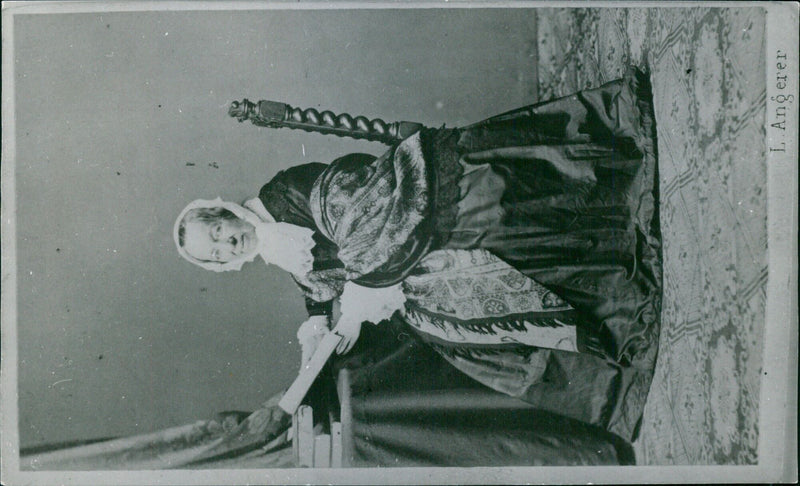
(121,120)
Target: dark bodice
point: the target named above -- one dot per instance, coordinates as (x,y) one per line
(286,197)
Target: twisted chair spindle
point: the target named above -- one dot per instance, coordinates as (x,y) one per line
(274,114)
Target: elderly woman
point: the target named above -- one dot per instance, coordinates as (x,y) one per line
(531,231)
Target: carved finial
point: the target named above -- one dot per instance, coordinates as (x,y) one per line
(242,111)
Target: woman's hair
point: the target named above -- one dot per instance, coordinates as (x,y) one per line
(203,215)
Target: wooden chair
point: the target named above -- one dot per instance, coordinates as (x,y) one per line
(314,448)
(311,447)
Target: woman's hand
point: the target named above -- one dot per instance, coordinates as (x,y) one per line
(349,329)
(310,334)
(365,304)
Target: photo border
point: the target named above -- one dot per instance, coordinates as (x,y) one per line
(777,447)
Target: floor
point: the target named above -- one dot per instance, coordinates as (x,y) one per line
(707,68)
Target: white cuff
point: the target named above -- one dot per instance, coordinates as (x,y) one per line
(314,326)
(361,304)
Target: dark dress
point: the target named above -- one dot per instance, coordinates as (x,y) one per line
(571,204)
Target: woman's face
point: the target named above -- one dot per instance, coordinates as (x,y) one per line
(221,240)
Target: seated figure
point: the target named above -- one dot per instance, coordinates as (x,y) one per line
(524,249)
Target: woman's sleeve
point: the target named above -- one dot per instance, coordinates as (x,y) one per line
(315,308)
(286,195)
(320,288)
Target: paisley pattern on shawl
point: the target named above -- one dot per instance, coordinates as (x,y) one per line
(474,297)
(370,210)
(385,216)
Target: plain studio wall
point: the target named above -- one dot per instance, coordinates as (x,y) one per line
(121,120)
